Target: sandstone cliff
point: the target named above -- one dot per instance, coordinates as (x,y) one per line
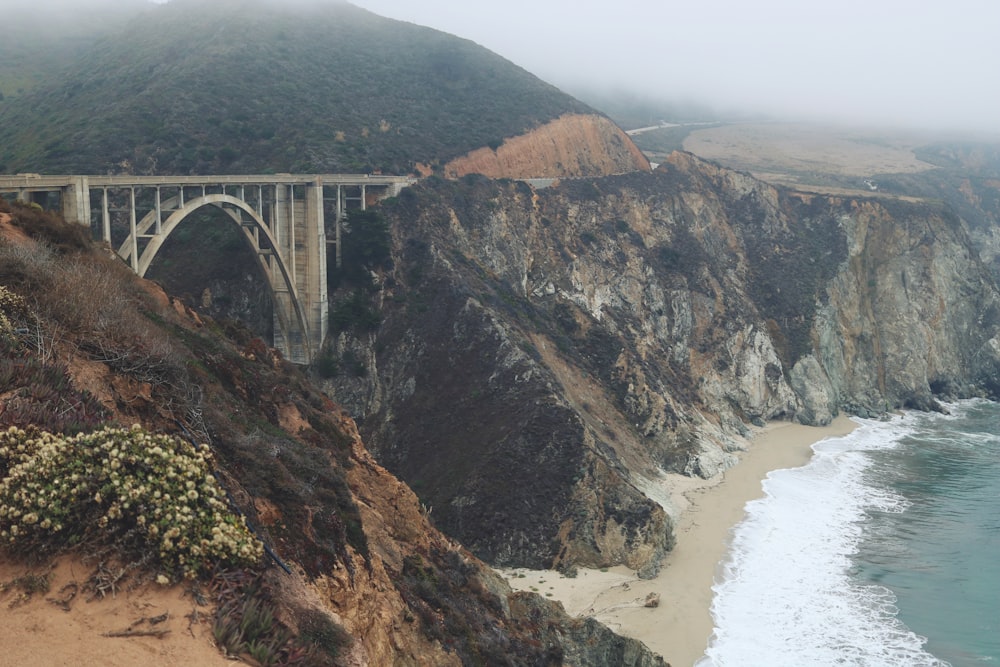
(545,356)
(572,145)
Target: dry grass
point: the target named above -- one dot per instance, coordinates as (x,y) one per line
(834,159)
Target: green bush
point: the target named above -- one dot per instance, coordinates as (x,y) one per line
(366,246)
(355,312)
(327,366)
(149,492)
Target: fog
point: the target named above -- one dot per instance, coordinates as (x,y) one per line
(884,62)
(881,62)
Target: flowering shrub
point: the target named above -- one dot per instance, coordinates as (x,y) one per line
(155,489)
(10,304)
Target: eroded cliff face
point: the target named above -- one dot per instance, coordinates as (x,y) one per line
(545,356)
(366,579)
(572,145)
(417,597)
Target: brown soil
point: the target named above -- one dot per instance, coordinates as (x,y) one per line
(574,145)
(159,625)
(10,232)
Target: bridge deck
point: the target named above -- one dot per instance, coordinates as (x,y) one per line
(47,181)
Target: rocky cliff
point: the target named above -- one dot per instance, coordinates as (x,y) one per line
(967,179)
(545,356)
(369,580)
(572,145)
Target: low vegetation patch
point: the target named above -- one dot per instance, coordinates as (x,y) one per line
(153,494)
(246,625)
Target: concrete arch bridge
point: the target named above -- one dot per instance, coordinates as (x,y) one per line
(282,216)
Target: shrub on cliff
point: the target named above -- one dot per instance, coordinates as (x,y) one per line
(152,494)
(367,246)
(9,303)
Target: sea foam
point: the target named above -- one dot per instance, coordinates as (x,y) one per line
(785,595)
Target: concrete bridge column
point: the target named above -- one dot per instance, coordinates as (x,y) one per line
(105,216)
(291,342)
(298,226)
(303,243)
(39,197)
(159,212)
(76,201)
(133,232)
(338,224)
(312,279)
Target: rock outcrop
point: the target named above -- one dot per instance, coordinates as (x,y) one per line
(573,145)
(545,356)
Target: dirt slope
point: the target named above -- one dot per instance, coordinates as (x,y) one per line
(570,146)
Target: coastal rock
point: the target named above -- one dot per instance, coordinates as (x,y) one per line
(543,351)
(988,359)
(817,400)
(603,647)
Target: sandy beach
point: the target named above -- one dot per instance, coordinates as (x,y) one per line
(680,627)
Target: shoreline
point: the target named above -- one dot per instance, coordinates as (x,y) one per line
(679,628)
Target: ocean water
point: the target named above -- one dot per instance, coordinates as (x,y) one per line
(882,551)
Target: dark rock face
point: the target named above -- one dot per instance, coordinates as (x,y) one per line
(584,642)
(546,357)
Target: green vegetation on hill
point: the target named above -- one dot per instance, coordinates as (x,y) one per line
(44,36)
(240,86)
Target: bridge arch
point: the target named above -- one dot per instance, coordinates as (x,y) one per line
(281,215)
(289,311)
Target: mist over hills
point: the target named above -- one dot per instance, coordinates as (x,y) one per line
(41,40)
(533,362)
(240,86)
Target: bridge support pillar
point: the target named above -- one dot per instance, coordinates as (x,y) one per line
(301,233)
(312,281)
(76,201)
(33,197)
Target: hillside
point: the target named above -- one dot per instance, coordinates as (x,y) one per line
(967,178)
(85,346)
(40,41)
(240,86)
(569,146)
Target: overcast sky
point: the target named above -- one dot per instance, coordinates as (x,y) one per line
(899,62)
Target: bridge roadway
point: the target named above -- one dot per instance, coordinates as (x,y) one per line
(282,217)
